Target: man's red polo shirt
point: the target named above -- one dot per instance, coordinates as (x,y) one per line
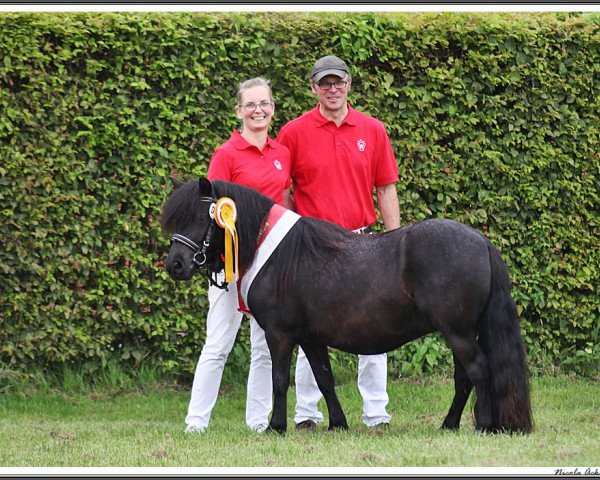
(334,169)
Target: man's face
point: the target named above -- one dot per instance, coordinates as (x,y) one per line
(332,92)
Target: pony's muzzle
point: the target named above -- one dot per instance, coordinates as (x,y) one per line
(174,268)
(178,269)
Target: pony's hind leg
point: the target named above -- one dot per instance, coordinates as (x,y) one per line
(318,358)
(462,390)
(468,352)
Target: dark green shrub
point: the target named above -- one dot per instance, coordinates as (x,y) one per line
(493,117)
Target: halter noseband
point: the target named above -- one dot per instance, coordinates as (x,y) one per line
(201,251)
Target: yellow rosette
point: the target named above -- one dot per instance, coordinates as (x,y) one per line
(226,216)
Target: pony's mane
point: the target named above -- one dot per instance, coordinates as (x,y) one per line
(311,241)
(311,238)
(252,208)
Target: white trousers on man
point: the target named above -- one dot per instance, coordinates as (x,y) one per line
(222,324)
(372,385)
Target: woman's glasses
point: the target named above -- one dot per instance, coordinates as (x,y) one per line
(264,105)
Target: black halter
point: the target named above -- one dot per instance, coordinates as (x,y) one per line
(199,257)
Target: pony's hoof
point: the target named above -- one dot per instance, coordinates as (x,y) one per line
(271,429)
(488,430)
(337,427)
(451,427)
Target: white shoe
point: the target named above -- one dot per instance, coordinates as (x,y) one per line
(194,429)
(261,427)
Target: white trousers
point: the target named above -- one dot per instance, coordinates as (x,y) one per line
(372,385)
(222,325)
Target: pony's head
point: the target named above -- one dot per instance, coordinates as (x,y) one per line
(198,242)
(188,214)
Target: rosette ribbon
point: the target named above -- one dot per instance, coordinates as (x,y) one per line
(226,216)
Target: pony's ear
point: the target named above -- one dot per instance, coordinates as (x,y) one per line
(176,183)
(205,187)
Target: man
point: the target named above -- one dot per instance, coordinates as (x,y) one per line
(338,156)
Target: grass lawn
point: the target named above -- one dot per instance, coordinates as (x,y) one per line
(145,429)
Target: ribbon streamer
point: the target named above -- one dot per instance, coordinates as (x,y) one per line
(226,216)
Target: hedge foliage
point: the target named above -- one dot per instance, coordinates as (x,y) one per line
(493,118)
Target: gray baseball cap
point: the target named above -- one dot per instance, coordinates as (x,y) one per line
(329,65)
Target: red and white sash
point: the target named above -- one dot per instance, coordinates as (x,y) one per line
(278,223)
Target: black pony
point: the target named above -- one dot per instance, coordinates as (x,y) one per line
(326,286)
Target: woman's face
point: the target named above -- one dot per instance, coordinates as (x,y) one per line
(256,108)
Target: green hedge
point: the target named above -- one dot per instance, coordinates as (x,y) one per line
(493,118)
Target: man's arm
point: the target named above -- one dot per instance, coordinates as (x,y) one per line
(389,208)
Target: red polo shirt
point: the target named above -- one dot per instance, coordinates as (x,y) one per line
(267,171)
(334,169)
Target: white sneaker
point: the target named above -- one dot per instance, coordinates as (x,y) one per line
(194,429)
(261,427)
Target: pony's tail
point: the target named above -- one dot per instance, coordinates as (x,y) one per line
(500,339)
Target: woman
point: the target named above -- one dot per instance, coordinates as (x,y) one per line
(250,158)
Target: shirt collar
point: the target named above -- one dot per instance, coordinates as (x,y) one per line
(320,120)
(240,143)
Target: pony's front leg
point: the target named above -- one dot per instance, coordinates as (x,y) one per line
(318,358)
(281,349)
